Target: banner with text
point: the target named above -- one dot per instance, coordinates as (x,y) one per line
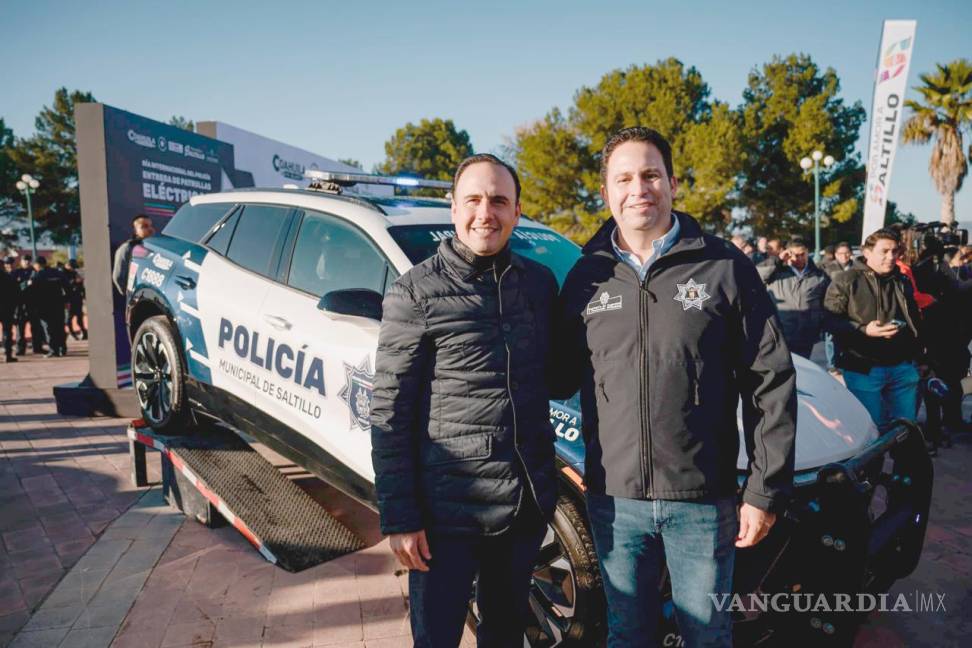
(894,58)
(152,169)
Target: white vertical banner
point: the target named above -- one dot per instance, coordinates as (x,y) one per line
(890,83)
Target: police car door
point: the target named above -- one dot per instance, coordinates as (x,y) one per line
(232,285)
(327,395)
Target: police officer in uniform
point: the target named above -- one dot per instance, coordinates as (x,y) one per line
(47,294)
(75,299)
(9,299)
(25,313)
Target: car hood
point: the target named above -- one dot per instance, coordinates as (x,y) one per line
(832,425)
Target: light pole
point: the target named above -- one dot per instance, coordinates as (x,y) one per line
(805,164)
(28,185)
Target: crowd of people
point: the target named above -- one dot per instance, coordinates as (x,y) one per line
(896,321)
(41,304)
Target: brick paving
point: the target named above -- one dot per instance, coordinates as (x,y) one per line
(64,480)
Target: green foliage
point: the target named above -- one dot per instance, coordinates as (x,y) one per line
(791,108)
(351,162)
(558,177)
(558,157)
(9,196)
(431,149)
(943,115)
(181,122)
(50,155)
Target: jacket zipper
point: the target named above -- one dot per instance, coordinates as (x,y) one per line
(645,385)
(509,387)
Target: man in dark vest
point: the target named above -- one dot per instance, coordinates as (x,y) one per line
(142,228)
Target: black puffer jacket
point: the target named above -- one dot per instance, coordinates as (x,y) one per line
(459,387)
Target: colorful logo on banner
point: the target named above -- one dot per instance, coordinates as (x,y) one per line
(895,60)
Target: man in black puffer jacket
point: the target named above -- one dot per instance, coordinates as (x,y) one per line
(463,449)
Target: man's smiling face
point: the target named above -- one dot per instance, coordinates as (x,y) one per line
(637,188)
(484,207)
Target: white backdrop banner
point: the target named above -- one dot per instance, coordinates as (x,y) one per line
(894,58)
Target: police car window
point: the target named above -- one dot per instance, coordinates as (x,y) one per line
(191,223)
(220,239)
(332,255)
(419,242)
(258,236)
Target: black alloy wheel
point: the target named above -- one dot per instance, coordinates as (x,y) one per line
(159,376)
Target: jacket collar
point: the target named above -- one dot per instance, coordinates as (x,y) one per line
(467,269)
(690,237)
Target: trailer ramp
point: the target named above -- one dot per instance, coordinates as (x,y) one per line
(215,474)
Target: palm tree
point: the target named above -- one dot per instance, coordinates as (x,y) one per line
(943,116)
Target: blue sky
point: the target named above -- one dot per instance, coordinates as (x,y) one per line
(339,78)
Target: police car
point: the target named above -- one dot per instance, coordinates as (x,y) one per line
(260,308)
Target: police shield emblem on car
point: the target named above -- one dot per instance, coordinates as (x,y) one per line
(307,375)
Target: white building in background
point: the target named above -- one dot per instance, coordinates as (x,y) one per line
(275,164)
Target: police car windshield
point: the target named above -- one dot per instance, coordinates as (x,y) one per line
(419,242)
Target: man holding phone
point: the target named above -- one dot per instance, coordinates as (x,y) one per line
(872,314)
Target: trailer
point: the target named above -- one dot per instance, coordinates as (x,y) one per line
(217,478)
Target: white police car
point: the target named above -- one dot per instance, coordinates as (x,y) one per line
(261,308)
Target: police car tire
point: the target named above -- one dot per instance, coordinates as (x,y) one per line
(587,624)
(175,421)
(571,525)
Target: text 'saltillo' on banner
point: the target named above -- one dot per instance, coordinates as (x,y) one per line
(890,83)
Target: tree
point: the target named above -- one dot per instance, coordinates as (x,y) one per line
(351,162)
(50,155)
(181,122)
(791,108)
(431,149)
(946,111)
(9,203)
(558,156)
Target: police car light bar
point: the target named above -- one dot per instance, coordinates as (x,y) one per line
(350,179)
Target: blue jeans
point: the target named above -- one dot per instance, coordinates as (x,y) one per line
(697,540)
(830,349)
(439,598)
(887,393)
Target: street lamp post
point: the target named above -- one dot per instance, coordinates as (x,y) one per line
(806,163)
(28,185)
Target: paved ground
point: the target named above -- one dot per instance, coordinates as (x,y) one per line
(62,482)
(153,579)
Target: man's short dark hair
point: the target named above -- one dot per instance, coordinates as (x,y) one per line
(885,233)
(139,217)
(797,241)
(27,258)
(41,261)
(485,157)
(637,134)
(843,244)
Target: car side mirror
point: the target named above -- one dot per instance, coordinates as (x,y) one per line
(358,302)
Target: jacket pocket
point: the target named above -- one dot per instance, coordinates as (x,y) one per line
(463,448)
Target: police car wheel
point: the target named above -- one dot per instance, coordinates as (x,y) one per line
(158,374)
(566,599)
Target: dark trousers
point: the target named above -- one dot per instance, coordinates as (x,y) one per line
(37,337)
(439,598)
(53,320)
(6,323)
(76,314)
